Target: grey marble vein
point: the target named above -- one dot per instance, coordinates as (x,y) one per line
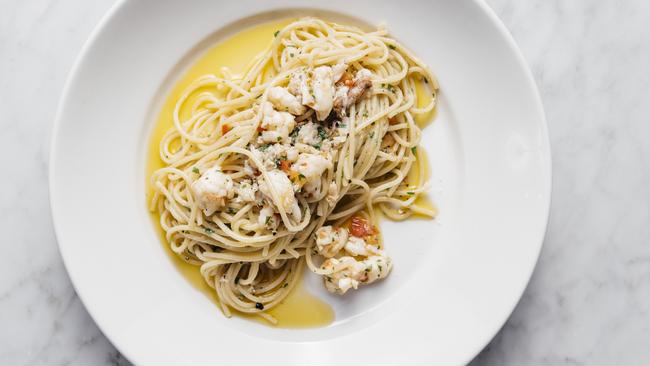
(588,302)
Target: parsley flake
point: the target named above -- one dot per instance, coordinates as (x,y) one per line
(195,170)
(322,133)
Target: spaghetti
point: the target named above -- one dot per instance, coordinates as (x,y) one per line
(283,165)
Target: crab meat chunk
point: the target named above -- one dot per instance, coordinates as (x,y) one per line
(299,86)
(332,193)
(330,241)
(311,166)
(212,190)
(267,218)
(284,101)
(348,272)
(338,70)
(280,183)
(308,134)
(358,247)
(276,126)
(348,95)
(323,88)
(245,191)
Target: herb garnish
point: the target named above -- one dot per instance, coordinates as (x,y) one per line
(322,133)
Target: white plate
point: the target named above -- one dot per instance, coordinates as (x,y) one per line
(456,279)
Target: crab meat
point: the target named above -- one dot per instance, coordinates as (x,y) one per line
(267,218)
(323,88)
(308,134)
(299,86)
(276,126)
(349,273)
(358,247)
(212,190)
(347,95)
(332,193)
(292,154)
(245,191)
(311,166)
(330,241)
(338,70)
(284,101)
(283,188)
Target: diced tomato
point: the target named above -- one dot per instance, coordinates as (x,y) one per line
(260,128)
(360,227)
(349,83)
(284,166)
(392,120)
(225,128)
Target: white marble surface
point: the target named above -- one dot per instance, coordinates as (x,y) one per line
(589,300)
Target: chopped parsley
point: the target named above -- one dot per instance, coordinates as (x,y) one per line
(322,133)
(268,219)
(208,230)
(264,147)
(276,33)
(365,114)
(391,46)
(291,54)
(285,285)
(372,134)
(231,210)
(410,193)
(196,170)
(414,149)
(301,176)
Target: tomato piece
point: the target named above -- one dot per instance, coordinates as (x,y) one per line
(225,128)
(284,166)
(360,227)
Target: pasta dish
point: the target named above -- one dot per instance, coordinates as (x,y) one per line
(288,164)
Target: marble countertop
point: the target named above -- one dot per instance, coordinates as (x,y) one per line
(588,302)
